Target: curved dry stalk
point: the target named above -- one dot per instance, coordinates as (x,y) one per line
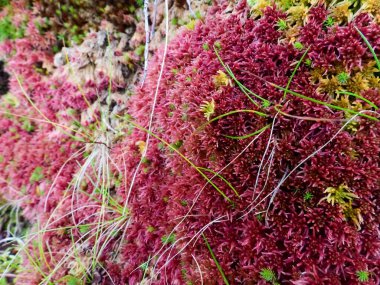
(264,155)
(155,94)
(199,268)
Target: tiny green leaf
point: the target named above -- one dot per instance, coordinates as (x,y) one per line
(363,276)
(329,22)
(343,77)
(281,24)
(37,175)
(298,45)
(168,239)
(267,274)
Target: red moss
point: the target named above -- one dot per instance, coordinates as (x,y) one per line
(303,242)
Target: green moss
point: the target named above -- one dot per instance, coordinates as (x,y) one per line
(176,145)
(4,3)
(267,274)
(281,24)
(171,106)
(9,31)
(10,263)
(150,229)
(363,276)
(308,62)
(161,146)
(191,25)
(298,45)
(37,175)
(168,239)
(308,196)
(175,21)
(184,117)
(218,45)
(343,77)
(140,50)
(72,280)
(329,22)
(27,126)
(84,229)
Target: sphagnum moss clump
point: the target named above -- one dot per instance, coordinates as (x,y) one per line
(259,165)
(306,149)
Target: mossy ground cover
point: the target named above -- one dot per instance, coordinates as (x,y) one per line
(246,150)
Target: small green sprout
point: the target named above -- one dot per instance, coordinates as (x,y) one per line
(145,160)
(150,229)
(72,280)
(144,266)
(281,24)
(191,25)
(37,175)
(171,106)
(84,229)
(175,71)
(11,100)
(308,62)
(343,77)
(308,196)
(168,239)
(176,145)
(208,109)
(363,275)
(198,15)
(206,46)
(266,104)
(329,22)
(27,126)
(185,107)
(218,45)
(251,3)
(298,45)
(268,275)
(175,21)
(184,117)
(140,50)
(161,146)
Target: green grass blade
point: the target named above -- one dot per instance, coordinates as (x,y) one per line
(324,103)
(244,89)
(216,261)
(231,113)
(221,177)
(249,135)
(294,72)
(182,156)
(359,97)
(369,46)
